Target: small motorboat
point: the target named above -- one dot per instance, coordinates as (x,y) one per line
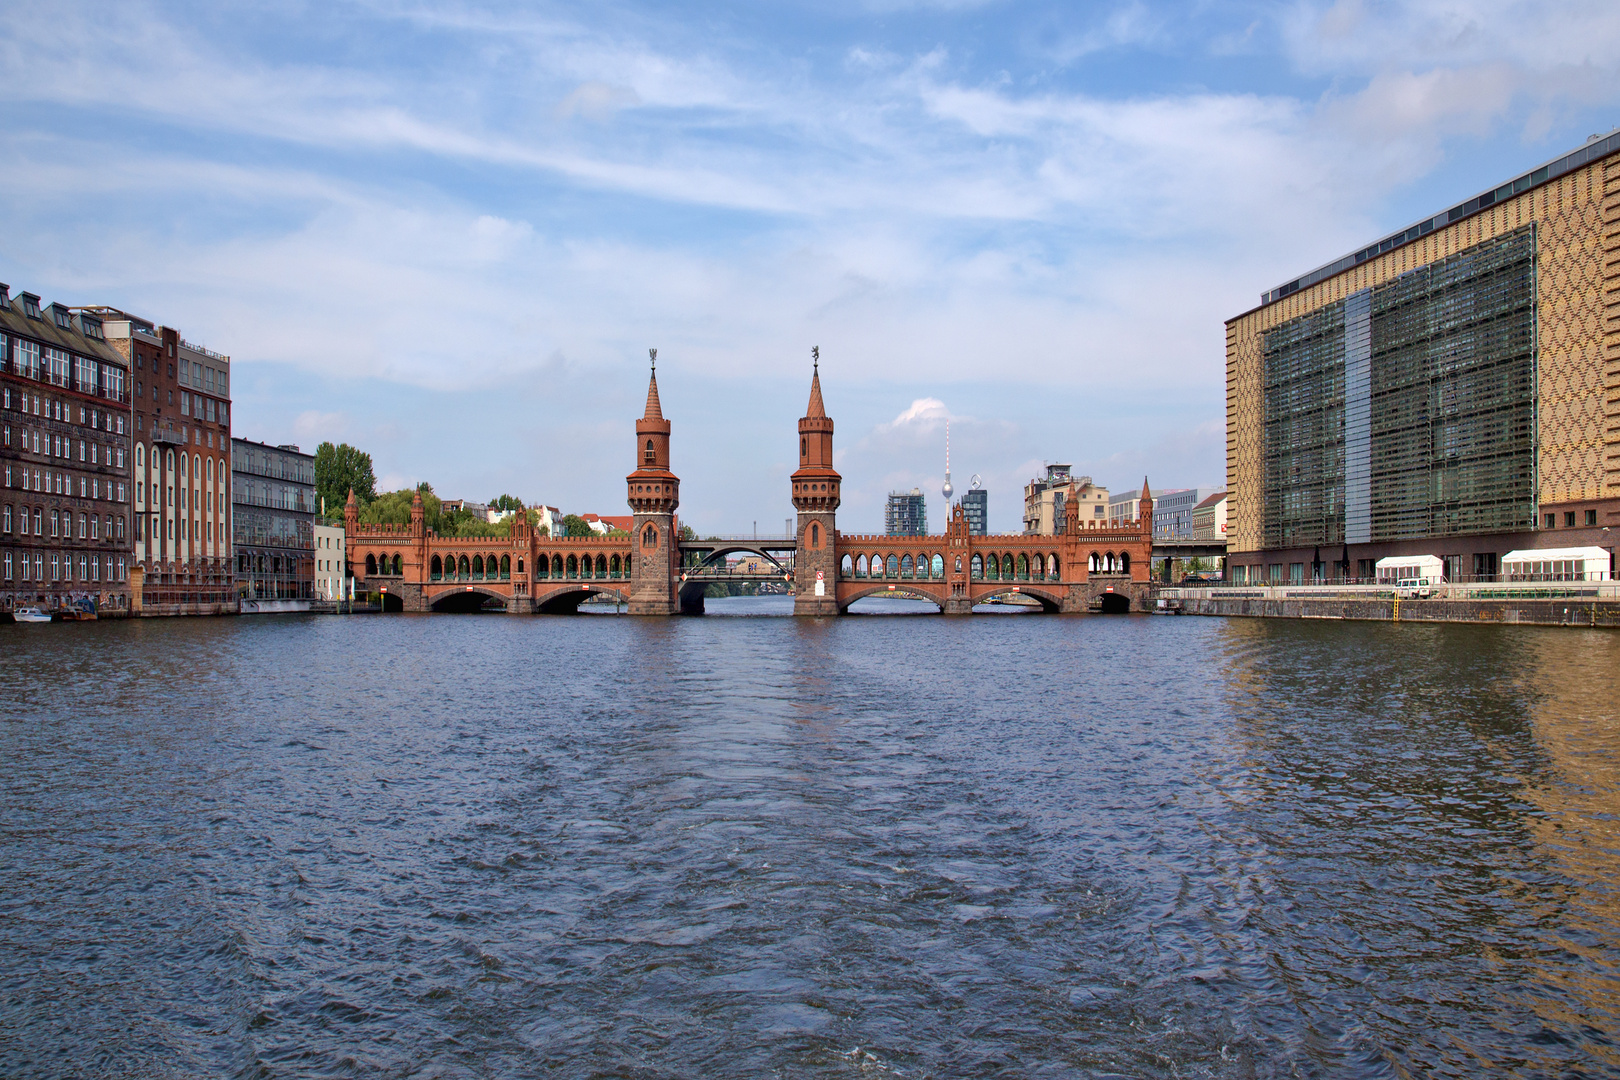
(30,614)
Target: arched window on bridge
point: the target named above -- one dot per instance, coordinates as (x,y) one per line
(506,567)
(1007,566)
(437,568)
(803,446)
(860,567)
(371,564)
(815,535)
(573,567)
(649,455)
(959,564)
(601,566)
(1124,562)
(397,563)
(613,567)
(649,538)
(463,567)
(556,566)
(892,566)
(1023,568)
(937,565)
(478,566)
(1091,563)
(520,563)
(992,566)
(905,566)
(877,566)
(976,566)
(846,567)
(1052,571)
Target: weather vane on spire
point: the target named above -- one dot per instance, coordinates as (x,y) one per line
(815,359)
(652,355)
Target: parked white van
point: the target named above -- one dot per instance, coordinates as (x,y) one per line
(1412,575)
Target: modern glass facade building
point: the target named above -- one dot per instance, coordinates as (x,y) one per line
(273,511)
(1453,389)
(976,508)
(906,514)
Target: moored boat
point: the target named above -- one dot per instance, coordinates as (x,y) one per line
(30,614)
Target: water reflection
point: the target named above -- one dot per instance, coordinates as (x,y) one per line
(758,846)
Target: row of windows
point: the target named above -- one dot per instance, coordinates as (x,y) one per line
(193,465)
(189,499)
(35,441)
(57,409)
(1550,521)
(33,566)
(50,482)
(59,367)
(196,531)
(275,466)
(203,377)
(91,526)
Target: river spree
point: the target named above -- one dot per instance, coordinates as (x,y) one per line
(479,846)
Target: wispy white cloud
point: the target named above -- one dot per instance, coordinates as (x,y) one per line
(507,199)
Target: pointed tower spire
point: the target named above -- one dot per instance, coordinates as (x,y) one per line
(654,408)
(816,498)
(816,409)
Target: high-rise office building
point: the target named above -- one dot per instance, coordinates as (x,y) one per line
(906,513)
(1452,389)
(976,508)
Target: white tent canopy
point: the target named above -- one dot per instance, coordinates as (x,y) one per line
(1557,564)
(1411,568)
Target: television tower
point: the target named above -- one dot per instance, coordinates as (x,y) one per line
(947,490)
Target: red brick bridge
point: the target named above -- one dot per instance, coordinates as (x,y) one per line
(1086,567)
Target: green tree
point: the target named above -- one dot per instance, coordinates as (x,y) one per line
(574,525)
(340,469)
(394,507)
(505,502)
(687,533)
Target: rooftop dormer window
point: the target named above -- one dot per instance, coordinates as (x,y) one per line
(62,317)
(30,304)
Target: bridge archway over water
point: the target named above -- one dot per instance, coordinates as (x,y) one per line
(566,600)
(899,591)
(1114,603)
(464,601)
(1050,604)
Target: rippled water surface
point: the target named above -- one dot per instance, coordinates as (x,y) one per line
(481,846)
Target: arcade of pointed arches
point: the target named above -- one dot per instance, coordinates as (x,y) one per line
(986,566)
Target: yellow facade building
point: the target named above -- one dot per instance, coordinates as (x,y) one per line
(1451,390)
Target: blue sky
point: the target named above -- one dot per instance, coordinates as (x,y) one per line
(448,233)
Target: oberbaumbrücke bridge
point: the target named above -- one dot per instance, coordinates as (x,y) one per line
(1088,566)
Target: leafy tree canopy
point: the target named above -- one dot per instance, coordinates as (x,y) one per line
(394,508)
(505,502)
(340,469)
(574,525)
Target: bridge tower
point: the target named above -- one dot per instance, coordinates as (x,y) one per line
(654,494)
(816,498)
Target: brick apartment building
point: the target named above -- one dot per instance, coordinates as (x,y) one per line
(181,471)
(64,459)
